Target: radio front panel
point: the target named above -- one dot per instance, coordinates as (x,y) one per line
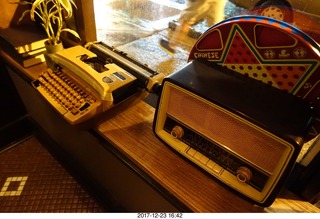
(237,152)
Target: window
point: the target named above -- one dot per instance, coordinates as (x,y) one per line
(136,26)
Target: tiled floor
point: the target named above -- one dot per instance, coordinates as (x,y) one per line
(33,180)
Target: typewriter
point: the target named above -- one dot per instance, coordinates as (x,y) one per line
(87,81)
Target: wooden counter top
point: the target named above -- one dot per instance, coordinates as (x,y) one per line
(130,131)
(128,127)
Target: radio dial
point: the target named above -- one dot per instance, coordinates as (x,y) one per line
(244,174)
(177,132)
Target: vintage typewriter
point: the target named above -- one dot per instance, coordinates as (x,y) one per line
(87,81)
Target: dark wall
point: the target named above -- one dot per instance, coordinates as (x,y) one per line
(11,107)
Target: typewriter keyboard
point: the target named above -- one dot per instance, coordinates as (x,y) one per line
(64,94)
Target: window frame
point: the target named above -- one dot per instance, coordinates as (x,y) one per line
(83,22)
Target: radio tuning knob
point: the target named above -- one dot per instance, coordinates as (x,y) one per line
(177,132)
(244,174)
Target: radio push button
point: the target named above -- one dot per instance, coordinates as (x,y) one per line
(217,169)
(204,160)
(244,174)
(197,156)
(191,151)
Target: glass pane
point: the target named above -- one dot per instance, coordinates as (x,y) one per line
(137,26)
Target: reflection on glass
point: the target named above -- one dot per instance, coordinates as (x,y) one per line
(136,26)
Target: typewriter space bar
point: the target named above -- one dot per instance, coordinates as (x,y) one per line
(52,101)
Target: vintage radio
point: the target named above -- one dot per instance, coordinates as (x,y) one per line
(242,131)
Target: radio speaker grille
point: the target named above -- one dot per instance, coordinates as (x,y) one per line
(229,131)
